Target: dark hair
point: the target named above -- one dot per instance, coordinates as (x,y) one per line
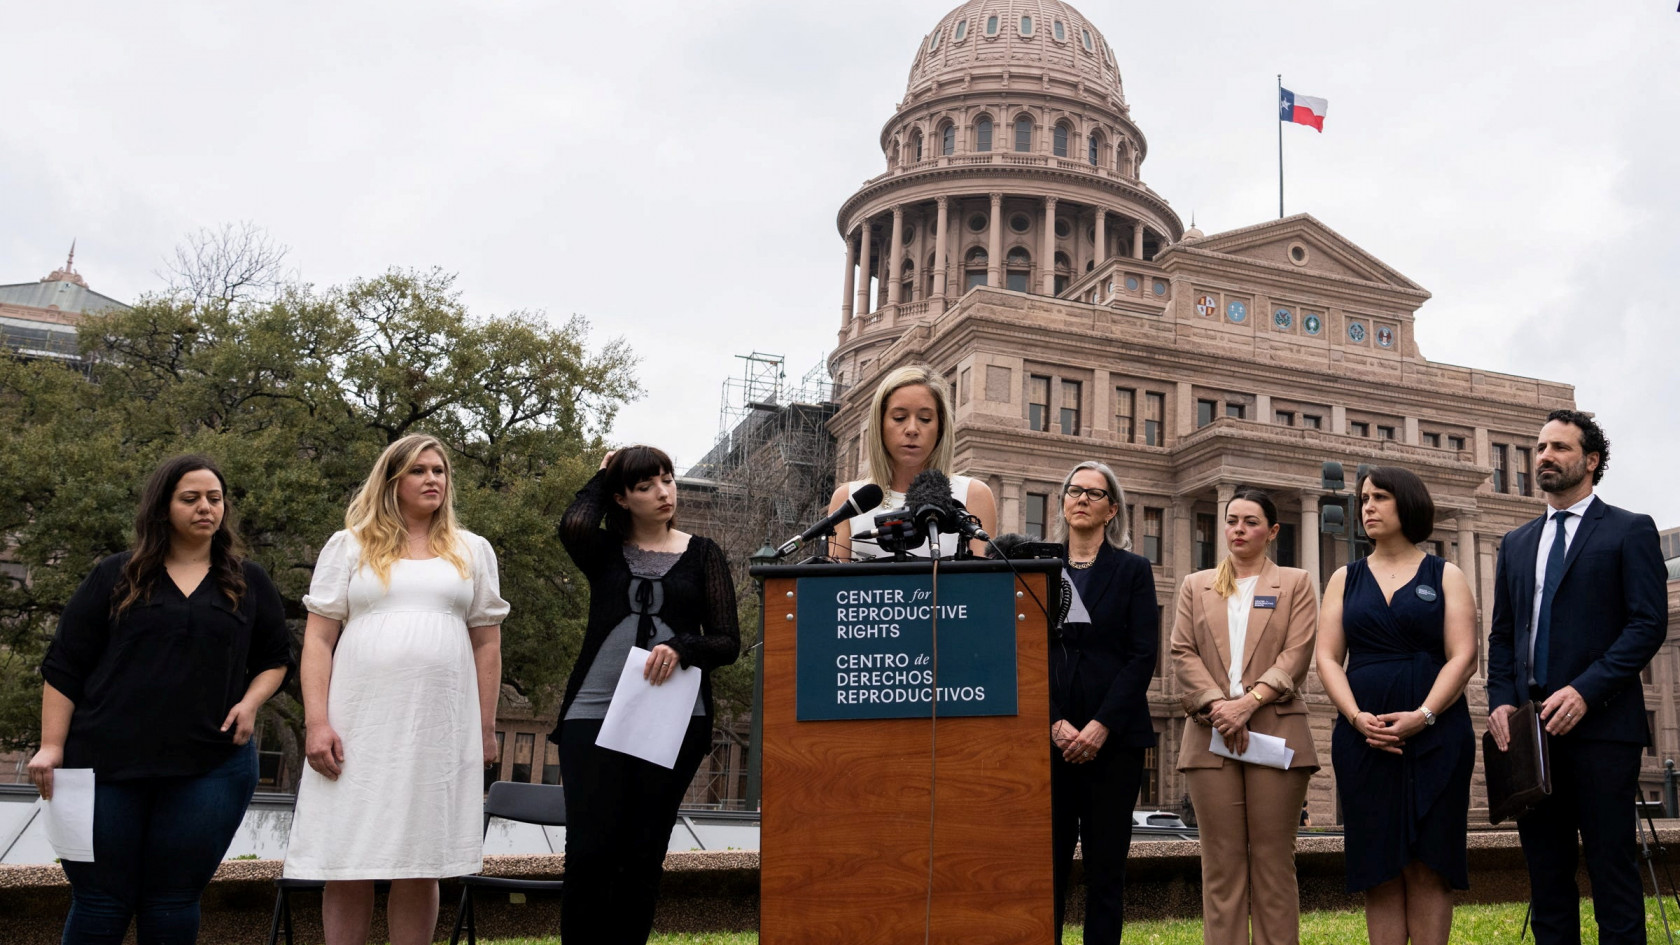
(1258,497)
(1411,499)
(1593,439)
(152,535)
(628,467)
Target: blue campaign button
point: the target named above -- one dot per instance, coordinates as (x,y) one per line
(1426,593)
(1265,603)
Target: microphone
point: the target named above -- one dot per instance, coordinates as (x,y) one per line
(929,503)
(967,524)
(861,501)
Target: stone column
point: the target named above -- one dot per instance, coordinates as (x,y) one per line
(1263,403)
(895,267)
(940,265)
(863,272)
(1226,491)
(1137,240)
(1009,507)
(851,284)
(1182,538)
(1310,539)
(1048,251)
(994,248)
(1467,549)
(1101,249)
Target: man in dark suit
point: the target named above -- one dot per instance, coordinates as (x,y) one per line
(1579,607)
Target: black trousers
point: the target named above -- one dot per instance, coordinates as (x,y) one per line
(619,813)
(1091,804)
(1593,793)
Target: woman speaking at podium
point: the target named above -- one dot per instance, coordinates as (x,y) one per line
(909,430)
(1100,667)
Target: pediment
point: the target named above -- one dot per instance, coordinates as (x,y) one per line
(1299,243)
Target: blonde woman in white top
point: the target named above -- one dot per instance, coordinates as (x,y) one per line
(909,430)
(400,673)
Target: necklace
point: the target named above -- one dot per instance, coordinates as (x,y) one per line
(1394,569)
(1081,565)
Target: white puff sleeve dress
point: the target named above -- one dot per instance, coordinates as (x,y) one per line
(404,699)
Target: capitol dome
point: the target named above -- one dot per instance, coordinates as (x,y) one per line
(1012,164)
(1041,37)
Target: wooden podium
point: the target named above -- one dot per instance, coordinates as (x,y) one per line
(856,811)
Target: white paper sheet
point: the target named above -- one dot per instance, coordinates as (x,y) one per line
(649,721)
(70,814)
(1263,749)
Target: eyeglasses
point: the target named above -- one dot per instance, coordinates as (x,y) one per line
(1096,495)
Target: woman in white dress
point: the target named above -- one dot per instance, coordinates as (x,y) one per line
(910,429)
(400,673)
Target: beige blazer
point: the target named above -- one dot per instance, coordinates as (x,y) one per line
(1276,651)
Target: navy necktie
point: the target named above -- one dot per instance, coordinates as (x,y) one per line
(1548,590)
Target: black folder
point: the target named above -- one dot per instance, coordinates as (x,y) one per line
(1518,779)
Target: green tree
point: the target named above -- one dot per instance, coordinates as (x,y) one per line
(295,397)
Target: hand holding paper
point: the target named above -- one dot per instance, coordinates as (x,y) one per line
(648,720)
(1263,749)
(70,814)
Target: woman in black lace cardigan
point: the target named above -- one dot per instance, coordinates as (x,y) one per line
(666,591)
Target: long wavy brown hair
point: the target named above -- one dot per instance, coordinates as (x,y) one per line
(152,533)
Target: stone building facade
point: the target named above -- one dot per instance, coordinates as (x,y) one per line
(1012,244)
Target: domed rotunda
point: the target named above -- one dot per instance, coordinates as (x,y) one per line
(1012,162)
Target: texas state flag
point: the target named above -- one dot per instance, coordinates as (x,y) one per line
(1302,109)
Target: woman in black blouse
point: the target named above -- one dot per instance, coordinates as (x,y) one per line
(666,591)
(153,680)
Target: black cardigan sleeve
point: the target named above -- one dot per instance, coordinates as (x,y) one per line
(84,630)
(719,642)
(580,527)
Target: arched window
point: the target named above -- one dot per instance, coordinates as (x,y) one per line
(1095,147)
(962,31)
(974,268)
(1018,266)
(915,146)
(983,135)
(948,139)
(1059,31)
(928,281)
(907,282)
(894,154)
(1023,133)
(1085,36)
(934,43)
(1026,26)
(991,25)
(1123,162)
(1064,272)
(1059,141)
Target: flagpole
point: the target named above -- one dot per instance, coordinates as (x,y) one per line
(1279,109)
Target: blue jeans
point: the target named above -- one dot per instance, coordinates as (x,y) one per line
(156,843)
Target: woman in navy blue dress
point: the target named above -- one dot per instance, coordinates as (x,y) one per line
(1405,624)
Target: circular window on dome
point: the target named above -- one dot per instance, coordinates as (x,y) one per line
(909,233)
(962,31)
(1064,229)
(1026,26)
(1058,30)
(1085,37)
(1019,223)
(1356,332)
(1298,254)
(1131,283)
(977,222)
(991,25)
(1160,287)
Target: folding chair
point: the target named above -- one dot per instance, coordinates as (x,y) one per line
(543,804)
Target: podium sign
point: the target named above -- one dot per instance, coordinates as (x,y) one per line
(893,825)
(866,647)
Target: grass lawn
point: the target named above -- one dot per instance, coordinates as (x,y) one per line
(1495,925)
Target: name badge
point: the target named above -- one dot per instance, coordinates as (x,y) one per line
(1426,593)
(1265,603)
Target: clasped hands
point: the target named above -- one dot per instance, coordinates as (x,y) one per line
(1389,731)
(1078,745)
(1229,717)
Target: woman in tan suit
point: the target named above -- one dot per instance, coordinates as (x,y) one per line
(1240,646)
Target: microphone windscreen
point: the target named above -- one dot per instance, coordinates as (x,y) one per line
(930,487)
(866,498)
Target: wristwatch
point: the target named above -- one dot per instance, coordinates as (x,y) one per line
(1428,716)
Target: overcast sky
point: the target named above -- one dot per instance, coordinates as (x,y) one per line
(671,171)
